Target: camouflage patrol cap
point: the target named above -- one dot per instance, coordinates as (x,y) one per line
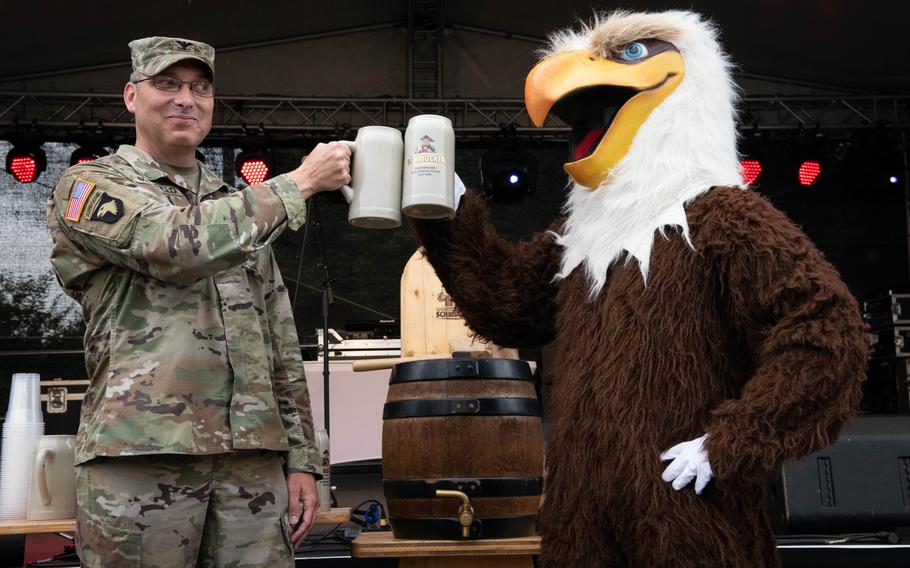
(152,55)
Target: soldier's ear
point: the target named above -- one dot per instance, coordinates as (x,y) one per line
(129,96)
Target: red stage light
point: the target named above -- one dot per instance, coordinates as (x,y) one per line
(254,165)
(254,170)
(25,162)
(809,172)
(749,170)
(24,169)
(84,154)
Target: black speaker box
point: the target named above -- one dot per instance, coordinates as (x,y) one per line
(861,483)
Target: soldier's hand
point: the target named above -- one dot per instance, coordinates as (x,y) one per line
(303,502)
(326,168)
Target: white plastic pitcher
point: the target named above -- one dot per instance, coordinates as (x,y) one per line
(53,493)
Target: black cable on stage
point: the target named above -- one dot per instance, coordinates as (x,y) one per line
(334,534)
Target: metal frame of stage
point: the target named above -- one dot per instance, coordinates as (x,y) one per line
(67,116)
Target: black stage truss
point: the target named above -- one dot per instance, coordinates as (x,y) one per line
(65,116)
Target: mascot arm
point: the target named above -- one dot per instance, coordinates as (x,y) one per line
(505,291)
(806,339)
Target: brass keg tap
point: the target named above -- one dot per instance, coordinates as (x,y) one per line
(465,512)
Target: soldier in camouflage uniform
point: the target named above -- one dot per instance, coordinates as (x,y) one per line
(197,392)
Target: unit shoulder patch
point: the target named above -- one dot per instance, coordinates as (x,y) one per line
(106,208)
(79,195)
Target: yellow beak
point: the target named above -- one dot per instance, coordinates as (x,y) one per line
(557,76)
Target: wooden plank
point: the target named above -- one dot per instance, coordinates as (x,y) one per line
(383,544)
(334,516)
(430,323)
(413,323)
(523,561)
(331,517)
(36,527)
(64,383)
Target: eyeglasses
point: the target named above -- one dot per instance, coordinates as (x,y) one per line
(201,88)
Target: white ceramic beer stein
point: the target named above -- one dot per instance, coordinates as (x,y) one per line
(375,191)
(53,493)
(429,168)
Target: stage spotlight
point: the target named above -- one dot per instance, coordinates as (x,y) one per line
(254,166)
(749,170)
(893,179)
(26,162)
(84,154)
(508,172)
(808,172)
(753,150)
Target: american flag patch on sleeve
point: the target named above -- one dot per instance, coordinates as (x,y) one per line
(77,200)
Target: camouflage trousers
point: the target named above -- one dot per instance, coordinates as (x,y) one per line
(168,511)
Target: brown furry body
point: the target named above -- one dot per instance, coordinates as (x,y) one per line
(751,337)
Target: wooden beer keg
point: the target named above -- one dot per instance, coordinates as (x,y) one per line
(470,429)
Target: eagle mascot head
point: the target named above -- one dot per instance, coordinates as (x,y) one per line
(651,103)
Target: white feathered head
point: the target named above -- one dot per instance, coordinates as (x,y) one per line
(651,102)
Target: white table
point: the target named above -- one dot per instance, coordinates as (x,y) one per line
(355,409)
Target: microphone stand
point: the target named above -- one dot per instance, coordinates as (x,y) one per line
(327,299)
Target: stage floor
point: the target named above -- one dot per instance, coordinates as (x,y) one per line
(40,548)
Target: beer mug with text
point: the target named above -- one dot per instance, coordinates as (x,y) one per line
(429,168)
(375,191)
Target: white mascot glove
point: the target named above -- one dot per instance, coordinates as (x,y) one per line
(459,191)
(690,461)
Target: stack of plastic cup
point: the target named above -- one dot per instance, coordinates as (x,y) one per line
(23,426)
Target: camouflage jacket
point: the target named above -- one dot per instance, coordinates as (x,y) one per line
(190,342)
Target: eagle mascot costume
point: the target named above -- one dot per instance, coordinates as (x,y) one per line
(701,336)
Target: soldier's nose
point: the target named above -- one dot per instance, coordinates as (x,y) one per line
(184,97)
